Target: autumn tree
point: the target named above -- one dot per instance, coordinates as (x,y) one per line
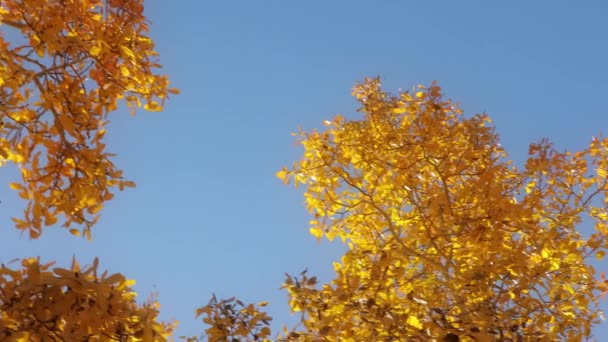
(64,66)
(40,303)
(447,239)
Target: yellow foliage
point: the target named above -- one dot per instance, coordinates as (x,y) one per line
(446,238)
(57,93)
(73,305)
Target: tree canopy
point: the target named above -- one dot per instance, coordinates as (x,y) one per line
(447,239)
(40,303)
(63,68)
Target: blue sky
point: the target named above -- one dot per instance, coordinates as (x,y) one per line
(209,216)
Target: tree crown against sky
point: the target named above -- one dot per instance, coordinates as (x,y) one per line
(447,239)
(64,66)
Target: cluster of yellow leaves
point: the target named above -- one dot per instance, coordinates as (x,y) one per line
(446,238)
(38,303)
(232,320)
(63,70)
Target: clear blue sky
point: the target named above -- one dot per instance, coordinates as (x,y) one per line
(208,214)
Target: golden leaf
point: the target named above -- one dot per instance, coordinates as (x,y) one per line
(413,321)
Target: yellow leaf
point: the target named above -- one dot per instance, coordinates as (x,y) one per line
(35,40)
(49,219)
(21,337)
(24,115)
(20,224)
(530,186)
(265,331)
(600,255)
(40,51)
(544,253)
(67,123)
(316,232)
(124,71)
(283,175)
(16,186)
(413,321)
(128,52)
(202,310)
(153,106)
(95,50)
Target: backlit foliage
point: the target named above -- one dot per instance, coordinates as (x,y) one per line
(40,303)
(447,239)
(64,65)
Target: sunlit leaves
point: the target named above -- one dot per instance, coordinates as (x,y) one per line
(38,302)
(413,321)
(63,71)
(446,237)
